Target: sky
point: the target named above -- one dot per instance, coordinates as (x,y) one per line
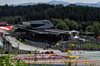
(9,2)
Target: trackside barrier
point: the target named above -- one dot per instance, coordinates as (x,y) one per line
(19,52)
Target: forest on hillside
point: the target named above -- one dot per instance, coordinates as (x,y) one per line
(71,17)
(46,11)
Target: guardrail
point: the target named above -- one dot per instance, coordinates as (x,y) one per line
(20,52)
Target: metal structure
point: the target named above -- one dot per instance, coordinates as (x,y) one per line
(39,31)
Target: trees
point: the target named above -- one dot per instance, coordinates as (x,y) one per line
(18,20)
(71,24)
(74,25)
(81,31)
(75,17)
(96,28)
(12,19)
(83,26)
(62,25)
(68,22)
(34,12)
(56,21)
(89,28)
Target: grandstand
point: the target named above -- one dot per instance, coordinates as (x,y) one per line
(39,31)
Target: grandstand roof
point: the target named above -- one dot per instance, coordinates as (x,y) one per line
(44,31)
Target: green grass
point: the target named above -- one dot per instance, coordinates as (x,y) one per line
(9,31)
(91,45)
(6,61)
(74,42)
(20,41)
(25,43)
(15,37)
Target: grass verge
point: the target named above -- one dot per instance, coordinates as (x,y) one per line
(91,45)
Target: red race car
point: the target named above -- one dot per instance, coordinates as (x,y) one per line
(48,52)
